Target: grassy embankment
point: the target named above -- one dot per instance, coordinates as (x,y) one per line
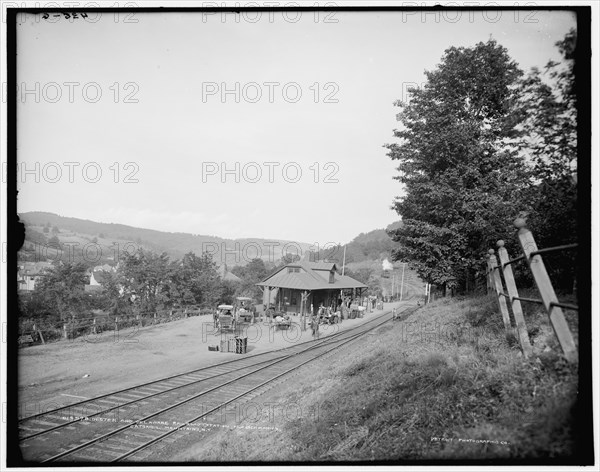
(446,372)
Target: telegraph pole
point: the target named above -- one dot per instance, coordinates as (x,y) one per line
(402,283)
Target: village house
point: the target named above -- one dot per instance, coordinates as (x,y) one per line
(29,273)
(98,277)
(224,273)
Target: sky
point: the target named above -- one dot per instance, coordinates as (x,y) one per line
(267,126)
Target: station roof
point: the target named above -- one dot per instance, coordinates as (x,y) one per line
(308,276)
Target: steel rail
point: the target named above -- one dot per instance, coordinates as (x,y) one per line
(181,374)
(162,379)
(319,344)
(152,415)
(145,397)
(272,379)
(136,400)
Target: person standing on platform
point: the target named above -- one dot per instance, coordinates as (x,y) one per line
(314,324)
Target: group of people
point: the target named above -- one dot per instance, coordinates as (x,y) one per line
(336,312)
(328,315)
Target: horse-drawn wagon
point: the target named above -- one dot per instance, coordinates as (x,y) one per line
(224,319)
(244,310)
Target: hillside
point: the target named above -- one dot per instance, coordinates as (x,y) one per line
(97,242)
(449,388)
(374,245)
(110,239)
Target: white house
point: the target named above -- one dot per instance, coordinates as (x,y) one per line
(31,272)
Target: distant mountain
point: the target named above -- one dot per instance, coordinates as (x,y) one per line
(50,236)
(86,238)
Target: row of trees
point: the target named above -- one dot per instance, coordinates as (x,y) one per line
(144,282)
(481,144)
(147,282)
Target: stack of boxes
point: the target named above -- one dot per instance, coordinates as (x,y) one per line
(241,345)
(235,344)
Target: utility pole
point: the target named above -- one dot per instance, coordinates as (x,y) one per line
(344,263)
(402,283)
(393,282)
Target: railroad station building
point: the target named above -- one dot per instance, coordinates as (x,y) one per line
(296,287)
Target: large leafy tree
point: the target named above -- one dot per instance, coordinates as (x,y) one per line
(548,106)
(144,282)
(201,278)
(460,176)
(145,276)
(61,291)
(112,297)
(250,274)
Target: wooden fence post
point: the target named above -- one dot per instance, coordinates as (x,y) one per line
(39,332)
(517,310)
(544,285)
(493,266)
(490,280)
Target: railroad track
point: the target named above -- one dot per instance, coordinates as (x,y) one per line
(125,425)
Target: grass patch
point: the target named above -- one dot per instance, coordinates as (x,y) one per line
(445,384)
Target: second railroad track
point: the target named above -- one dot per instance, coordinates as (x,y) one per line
(126,424)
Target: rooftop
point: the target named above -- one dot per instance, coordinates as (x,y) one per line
(308,277)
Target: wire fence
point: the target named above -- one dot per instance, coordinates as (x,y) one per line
(33,332)
(501,282)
